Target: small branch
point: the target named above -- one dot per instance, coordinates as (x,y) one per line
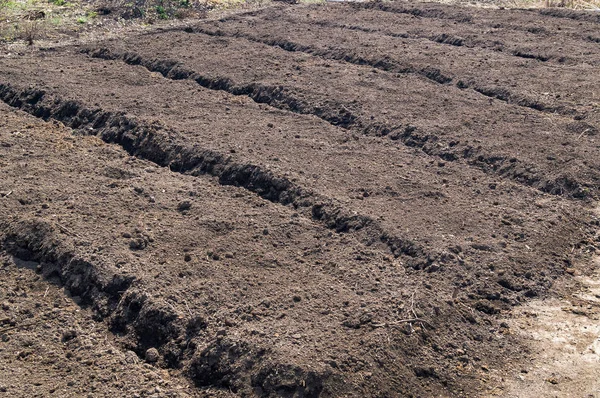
(581,135)
(188,308)
(67,230)
(10,328)
(400,321)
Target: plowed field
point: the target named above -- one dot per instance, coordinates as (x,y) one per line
(301,201)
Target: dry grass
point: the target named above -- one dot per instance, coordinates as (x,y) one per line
(571,4)
(235,4)
(31,31)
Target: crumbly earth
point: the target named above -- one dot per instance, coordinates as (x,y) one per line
(341,200)
(51,346)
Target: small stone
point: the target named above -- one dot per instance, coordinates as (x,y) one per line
(297,299)
(152,355)
(138,244)
(552,380)
(187,258)
(296,336)
(464,359)
(69,335)
(185,205)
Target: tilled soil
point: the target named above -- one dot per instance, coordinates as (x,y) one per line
(311,200)
(51,346)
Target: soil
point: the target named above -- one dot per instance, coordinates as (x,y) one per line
(51,346)
(328,200)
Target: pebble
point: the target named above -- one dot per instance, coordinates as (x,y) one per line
(137,244)
(69,335)
(152,355)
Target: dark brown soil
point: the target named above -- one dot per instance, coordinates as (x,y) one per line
(53,347)
(309,200)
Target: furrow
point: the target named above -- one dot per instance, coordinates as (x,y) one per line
(130,311)
(337,114)
(388,64)
(382,63)
(276,96)
(588,16)
(147,141)
(441,38)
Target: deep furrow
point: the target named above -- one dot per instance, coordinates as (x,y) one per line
(38,241)
(146,141)
(130,310)
(283,98)
(390,65)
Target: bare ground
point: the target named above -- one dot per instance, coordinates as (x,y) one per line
(340,200)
